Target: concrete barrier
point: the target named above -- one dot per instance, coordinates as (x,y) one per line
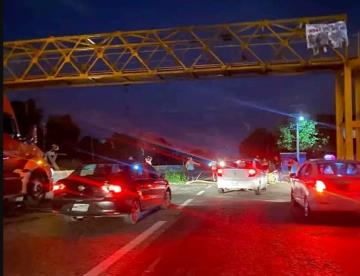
(169,168)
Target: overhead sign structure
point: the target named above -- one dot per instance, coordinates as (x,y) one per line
(319,36)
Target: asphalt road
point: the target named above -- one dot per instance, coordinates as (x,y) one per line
(204,233)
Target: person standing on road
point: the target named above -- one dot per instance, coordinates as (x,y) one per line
(213,166)
(190,168)
(276,162)
(265,164)
(51,156)
(294,167)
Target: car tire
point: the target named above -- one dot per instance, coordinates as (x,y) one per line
(221,190)
(257,190)
(134,216)
(35,191)
(167,200)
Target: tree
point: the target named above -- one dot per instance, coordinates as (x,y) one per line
(260,142)
(28,115)
(309,136)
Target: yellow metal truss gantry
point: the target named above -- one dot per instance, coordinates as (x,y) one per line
(153,55)
(130,57)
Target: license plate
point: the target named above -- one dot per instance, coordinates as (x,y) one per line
(80,207)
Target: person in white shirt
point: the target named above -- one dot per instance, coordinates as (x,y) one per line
(51,156)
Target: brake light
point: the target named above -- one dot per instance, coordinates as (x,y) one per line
(111,188)
(220,172)
(320,186)
(252,172)
(58,187)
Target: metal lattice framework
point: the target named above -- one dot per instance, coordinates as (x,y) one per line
(154,55)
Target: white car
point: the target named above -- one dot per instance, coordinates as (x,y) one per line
(241,175)
(326,185)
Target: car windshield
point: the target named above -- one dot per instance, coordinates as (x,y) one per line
(339,168)
(98,170)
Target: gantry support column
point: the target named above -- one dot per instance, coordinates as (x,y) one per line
(357,112)
(348,100)
(339,106)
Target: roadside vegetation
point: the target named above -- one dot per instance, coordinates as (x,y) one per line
(175,177)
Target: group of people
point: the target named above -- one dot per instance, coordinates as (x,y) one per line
(270,165)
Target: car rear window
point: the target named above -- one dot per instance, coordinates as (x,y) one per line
(248,164)
(100,170)
(240,164)
(339,168)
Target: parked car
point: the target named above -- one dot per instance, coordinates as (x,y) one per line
(241,174)
(111,189)
(326,185)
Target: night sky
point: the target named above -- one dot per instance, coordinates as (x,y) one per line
(213,114)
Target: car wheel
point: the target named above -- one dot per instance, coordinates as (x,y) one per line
(306,207)
(221,190)
(35,191)
(135,212)
(257,190)
(167,200)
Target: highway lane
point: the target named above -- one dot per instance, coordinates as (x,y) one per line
(204,233)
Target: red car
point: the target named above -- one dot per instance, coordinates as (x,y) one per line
(111,189)
(327,185)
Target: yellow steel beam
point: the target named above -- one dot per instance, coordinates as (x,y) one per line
(154,55)
(357,111)
(349,150)
(339,106)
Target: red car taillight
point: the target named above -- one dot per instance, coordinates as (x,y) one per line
(220,172)
(252,172)
(58,187)
(320,186)
(111,188)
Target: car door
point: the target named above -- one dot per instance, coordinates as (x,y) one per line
(155,190)
(302,182)
(296,183)
(143,185)
(159,186)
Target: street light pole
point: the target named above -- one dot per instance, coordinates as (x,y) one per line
(298,119)
(297,141)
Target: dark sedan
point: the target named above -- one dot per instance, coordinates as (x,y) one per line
(111,189)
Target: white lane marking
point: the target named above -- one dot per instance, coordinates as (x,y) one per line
(152,266)
(208,186)
(105,264)
(200,193)
(186,202)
